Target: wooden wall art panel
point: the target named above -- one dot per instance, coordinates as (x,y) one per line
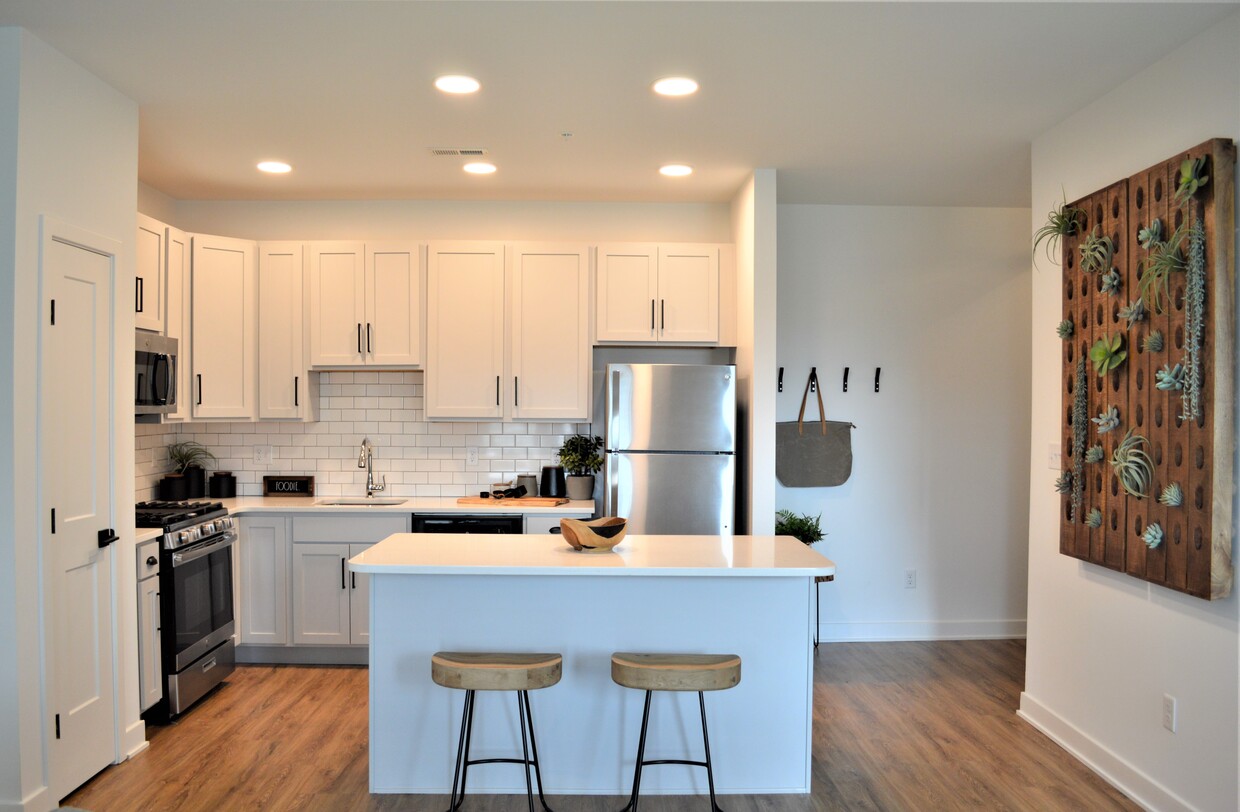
(1168,272)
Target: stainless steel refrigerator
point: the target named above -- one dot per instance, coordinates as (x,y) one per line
(671,447)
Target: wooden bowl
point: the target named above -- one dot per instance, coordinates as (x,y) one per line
(598,536)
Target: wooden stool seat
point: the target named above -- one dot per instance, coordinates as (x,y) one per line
(493,671)
(675,672)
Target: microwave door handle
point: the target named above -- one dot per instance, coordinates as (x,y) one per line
(156,380)
(172,379)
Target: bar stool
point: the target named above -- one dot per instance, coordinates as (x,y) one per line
(674,672)
(490,671)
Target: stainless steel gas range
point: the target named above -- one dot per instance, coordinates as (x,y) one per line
(195,599)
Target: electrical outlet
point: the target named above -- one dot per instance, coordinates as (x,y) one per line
(1169,713)
(262,455)
(471,455)
(910,579)
(1054,457)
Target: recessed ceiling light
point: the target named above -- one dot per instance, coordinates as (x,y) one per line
(675,170)
(274,167)
(675,86)
(457,84)
(479,168)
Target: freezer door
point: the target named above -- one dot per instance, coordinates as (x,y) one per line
(671,407)
(690,494)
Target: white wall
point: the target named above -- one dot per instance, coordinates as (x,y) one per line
(939,299)
(1103,647)
(75,157)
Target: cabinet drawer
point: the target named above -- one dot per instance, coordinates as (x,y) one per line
(542,524)
(350,528)
(146,551)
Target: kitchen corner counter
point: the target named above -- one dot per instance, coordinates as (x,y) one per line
(242,505)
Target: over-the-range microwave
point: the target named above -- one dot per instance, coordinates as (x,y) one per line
(155,373)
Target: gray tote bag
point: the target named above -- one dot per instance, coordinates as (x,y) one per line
(813,455)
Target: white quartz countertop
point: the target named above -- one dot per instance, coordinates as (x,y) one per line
(545,554)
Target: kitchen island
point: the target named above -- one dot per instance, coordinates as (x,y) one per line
(745,595)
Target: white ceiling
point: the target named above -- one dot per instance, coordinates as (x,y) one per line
(860,103)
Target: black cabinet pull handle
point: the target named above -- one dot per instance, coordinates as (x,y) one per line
(353,580)
(368,349)
(663,314)
(199,390)
(138,297)
(359,338)
(652,315)
(496,390)
(296,390)
(342,586)
(516,399)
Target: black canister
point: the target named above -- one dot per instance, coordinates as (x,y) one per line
(553,481)
(223,485)
(197,479)
(174,488)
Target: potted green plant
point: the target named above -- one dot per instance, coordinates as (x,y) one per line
(804,528)
(581,460)
(189,460)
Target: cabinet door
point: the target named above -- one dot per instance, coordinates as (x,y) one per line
(337,304)
(281,366)
(176,315)
(549,349)
(689,293)
(224,327)
(393,304)
(150,670)
(149,278)
(627,289)
(359,600)
(465,330)
(264,565)
(320,594)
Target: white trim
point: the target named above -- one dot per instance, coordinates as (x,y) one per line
(845,632)
(1117,772)
(37,801)
(135,740)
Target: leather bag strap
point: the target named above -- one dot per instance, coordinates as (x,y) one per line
(822,414)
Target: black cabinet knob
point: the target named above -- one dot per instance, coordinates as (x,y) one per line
(151,561)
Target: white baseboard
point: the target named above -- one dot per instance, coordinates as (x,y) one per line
(134,740)
(921,630)
(1117,772)
(37,801)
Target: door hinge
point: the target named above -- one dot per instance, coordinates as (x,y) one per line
(53,312)
(58,725)
(53,521)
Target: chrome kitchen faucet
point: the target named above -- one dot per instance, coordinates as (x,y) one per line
(367,460)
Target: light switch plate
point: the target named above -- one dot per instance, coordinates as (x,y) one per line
(262,455)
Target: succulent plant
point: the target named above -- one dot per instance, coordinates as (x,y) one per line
(1097,250)
(1153,535)
(1166,258)
(1133,311)
(1107,421)
(1094,519)
(1062,221)
(1111,282)
(1153,342)
(1133,466)
(1064,483)
(1108,353)
(1194,319)
(1169,378)
(1150,234)
(1065,329)
(1192,177)
(1095,454)
(1172,495)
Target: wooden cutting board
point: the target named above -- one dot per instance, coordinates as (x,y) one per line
(521,501)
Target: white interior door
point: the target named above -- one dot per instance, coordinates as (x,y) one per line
(76,457)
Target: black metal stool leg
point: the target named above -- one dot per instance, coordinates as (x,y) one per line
(462,751)
(710,773)
(817,614)
(525,753)
(529,718)
(631,806)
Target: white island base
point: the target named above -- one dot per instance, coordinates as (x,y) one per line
(750,596)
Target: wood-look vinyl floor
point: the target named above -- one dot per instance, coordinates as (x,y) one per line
(897,726)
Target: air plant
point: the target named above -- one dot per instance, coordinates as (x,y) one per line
(1169,378)
(1097,250)
(1065,329)
(1153,535)
(1107,421)
(1133,466)
(1194,319)
(1095,454)
(1150,235)
(1064,483)
(1080,432)
(1133,311)
(1165,259)
(1094,519)
(1062,221)
(1172,495)
(1111,282)
(1153,342)
(1192,177)
(1108,353)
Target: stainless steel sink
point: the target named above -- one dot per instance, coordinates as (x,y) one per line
(361,500)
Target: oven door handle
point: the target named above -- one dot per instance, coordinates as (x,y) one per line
(194,553)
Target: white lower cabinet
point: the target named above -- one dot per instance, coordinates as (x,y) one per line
(150,669)
(264,565)
(359,600)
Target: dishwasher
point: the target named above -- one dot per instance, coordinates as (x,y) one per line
(488,523)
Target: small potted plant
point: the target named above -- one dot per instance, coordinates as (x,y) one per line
(804,528)
(581,460)
(189,460)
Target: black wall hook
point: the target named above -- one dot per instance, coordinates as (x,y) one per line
(813,379)
(877,372)
(781,379)
(845,379)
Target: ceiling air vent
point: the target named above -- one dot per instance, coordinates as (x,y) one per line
(453,152)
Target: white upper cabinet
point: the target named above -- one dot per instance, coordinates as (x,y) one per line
(282,378)
(465,330)
(225,325)
(150,275)
(176,315)
(549,345)
(667,293)
(365,304)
